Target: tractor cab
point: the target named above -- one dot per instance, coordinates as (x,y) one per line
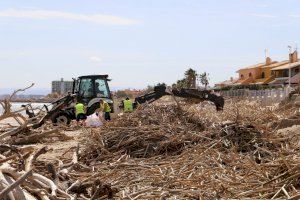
(90,89)
(87,90)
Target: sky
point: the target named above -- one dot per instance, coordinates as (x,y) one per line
(140,42)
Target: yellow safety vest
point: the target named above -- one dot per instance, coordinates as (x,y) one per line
(105,107)
(128,106)
(79,108)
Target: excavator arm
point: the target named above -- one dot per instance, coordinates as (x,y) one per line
(160,91)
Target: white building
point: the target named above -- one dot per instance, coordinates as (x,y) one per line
(62,87)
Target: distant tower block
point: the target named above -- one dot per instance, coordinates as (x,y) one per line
(61,86)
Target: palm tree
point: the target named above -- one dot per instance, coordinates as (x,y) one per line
(204,79)
(190,77)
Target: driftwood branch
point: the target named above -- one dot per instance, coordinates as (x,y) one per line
(32,158)
(4,192)
(19,90)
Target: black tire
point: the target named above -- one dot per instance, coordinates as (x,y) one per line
(92,109)
(61,118)
(95,106)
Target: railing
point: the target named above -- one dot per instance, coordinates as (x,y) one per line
(267,96)
(282,78)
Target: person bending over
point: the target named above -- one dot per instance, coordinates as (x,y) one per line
(105,109)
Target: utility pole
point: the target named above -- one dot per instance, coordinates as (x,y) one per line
(266,53)
(290,60)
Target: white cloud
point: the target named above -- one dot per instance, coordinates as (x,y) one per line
(96,59)
(23,53)
(263,15)
(50,14)
(263,5)
(294,16)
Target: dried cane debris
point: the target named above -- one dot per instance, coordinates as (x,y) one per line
(163,152)
(145,133)
(155,153)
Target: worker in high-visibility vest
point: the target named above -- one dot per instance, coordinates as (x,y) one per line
(127,105)
(105,109)
(80,113)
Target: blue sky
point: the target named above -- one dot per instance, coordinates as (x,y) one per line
(140,42)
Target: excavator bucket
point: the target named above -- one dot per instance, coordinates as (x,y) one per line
(202,95)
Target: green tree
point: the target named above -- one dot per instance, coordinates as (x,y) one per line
(204,79)
(179,84)
(160,84)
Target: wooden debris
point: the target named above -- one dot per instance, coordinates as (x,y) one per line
(162,152)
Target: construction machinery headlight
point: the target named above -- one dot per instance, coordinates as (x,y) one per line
(109,101)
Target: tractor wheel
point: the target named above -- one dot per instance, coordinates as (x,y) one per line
(61,118)
(93,108)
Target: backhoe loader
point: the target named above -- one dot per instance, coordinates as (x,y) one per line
(91,88)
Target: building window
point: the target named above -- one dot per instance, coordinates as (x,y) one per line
(286,73)
(242,76)
(250,75)
(263,75)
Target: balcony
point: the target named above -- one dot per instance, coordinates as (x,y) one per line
(264,80)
